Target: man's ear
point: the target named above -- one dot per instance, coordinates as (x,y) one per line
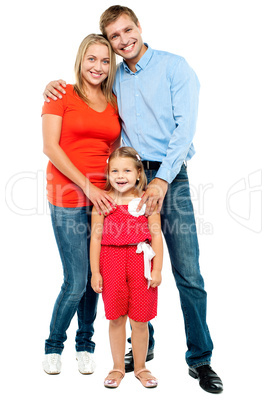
(139,27)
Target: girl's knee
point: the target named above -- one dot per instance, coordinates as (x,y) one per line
(119,321)
(139,326)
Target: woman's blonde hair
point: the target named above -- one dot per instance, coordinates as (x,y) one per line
(128,152)
(107,84)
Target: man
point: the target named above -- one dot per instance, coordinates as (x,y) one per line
(157,95)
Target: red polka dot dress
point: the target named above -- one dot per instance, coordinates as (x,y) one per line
(125,288)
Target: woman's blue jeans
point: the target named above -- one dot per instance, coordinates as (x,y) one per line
(179,229)
(72,232)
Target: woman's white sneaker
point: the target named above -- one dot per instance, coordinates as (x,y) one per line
(52,363)
(86,364)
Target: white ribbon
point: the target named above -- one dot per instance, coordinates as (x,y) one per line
(148,255)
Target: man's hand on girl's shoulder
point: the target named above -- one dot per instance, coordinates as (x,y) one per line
(154,196)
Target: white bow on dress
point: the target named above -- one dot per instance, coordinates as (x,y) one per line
(148,255)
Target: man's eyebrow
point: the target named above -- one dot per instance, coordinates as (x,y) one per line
(113,33)
(128,26)
(124,29)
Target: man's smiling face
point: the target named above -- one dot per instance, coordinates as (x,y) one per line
(125,38)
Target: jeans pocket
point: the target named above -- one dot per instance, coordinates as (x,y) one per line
(182,175)
(70,225)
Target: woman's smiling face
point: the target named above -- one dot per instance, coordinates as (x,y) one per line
(95,64)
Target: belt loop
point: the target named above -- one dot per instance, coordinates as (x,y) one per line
(147,165)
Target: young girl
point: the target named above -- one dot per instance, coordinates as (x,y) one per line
(122,266)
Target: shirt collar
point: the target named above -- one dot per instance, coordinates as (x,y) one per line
(142,63)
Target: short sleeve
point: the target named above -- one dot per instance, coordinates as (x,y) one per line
(54,107)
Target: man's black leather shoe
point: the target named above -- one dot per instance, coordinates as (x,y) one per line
(129,362)
(208,379)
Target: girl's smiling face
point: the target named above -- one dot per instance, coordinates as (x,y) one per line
(123,175)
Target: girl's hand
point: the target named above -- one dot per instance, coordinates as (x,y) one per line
(100,198)
(156,278)
(97,282)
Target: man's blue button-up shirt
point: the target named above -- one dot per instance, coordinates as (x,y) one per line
(158,107)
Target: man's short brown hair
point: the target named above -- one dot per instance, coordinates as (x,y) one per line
(112,14)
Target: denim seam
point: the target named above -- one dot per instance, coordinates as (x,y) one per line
(85,349)
(82,346)
(66,288)
(204,363)
(54,350)
(186,320)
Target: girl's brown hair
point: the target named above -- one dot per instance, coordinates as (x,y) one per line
(107,85)
(129,152)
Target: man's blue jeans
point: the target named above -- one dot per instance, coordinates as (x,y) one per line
(179,229)
(72,232)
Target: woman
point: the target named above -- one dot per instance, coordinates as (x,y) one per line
(79,132)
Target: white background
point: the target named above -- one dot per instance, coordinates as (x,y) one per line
(225,43)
